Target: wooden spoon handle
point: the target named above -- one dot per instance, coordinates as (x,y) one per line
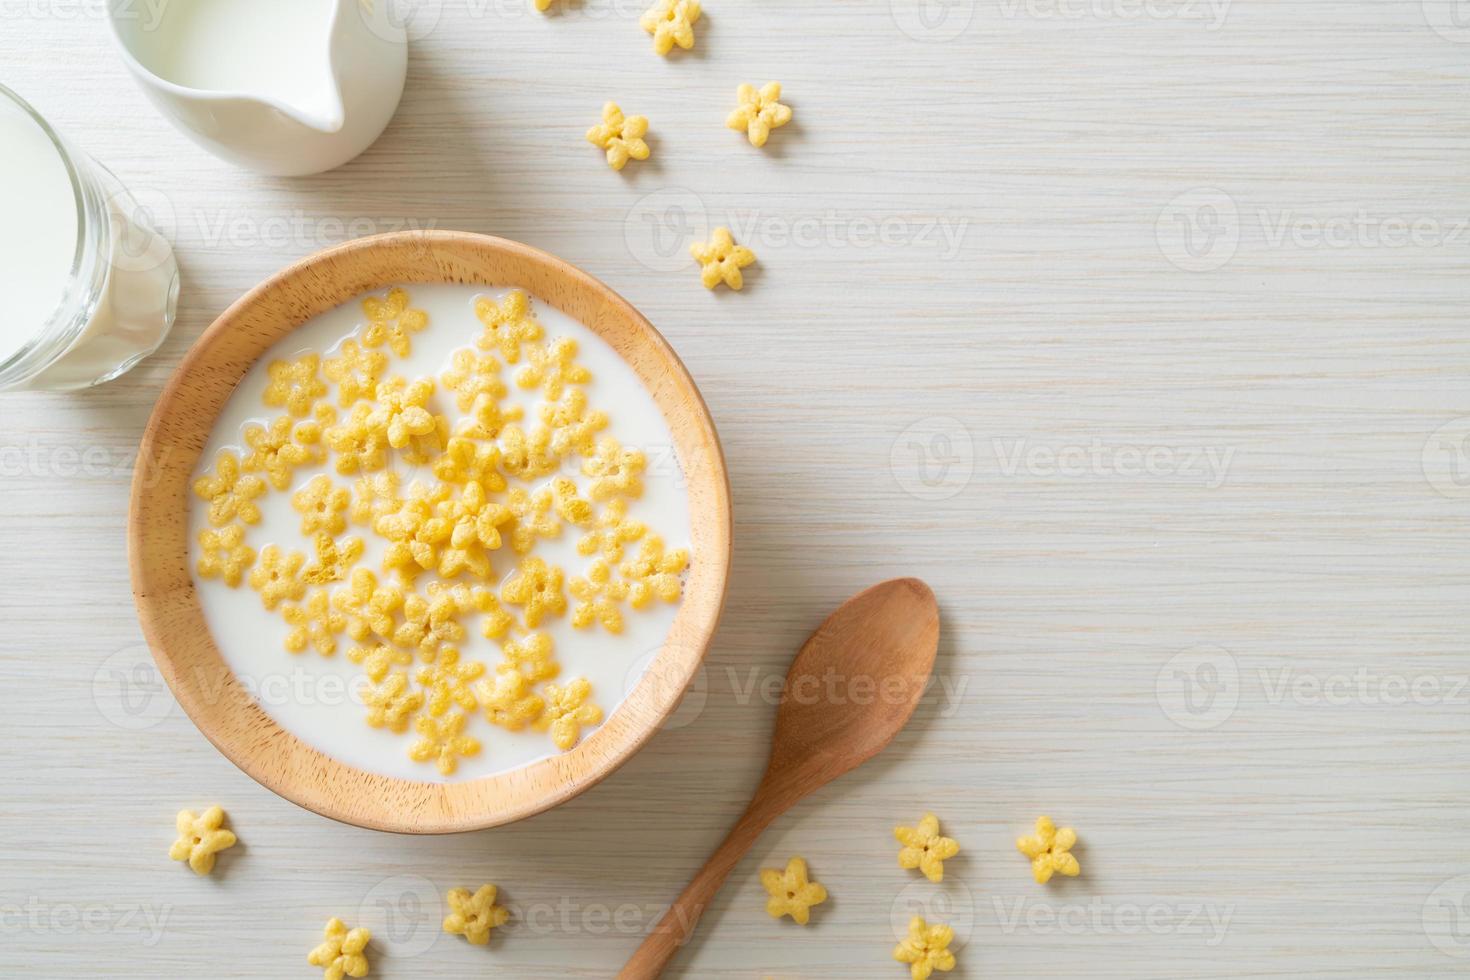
(678,923)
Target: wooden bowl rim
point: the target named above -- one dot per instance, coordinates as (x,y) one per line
(335,789)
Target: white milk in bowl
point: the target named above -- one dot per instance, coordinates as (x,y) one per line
(90,289)
(440,534)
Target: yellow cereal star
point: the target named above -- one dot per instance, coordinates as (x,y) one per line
(277,577)
(572,426)
(359,448)
(415,532)
(527,455)
(378,659)
(442,741)
(497,621)
(654,573)
(791,893)
(466,461)
(509,701)
(402,413)
(721,260)
(368,606)
(615,471)
(278,450)
(531,657)
(391,320)
(391,704)
(926,949)
(622,137)
(1049,850)
(538,587)
(342,952)
(471,376)
(356,371)
(552,368)
(334,560)
(428,623)
(373,496)
(567,710)
(759,112)
(535,517)
(224,554)
(321,505)
(597,598)
(201,837)
(924,849)
(475,523)
(230,493)
(447,681)
(613,531)
(508,324)
(314,623)
(671,22)
(294,385)
(473,916)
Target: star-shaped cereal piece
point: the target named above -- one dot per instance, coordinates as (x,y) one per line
(277,451)
(321,505)
(415,531)
(314,623)
(924,849)
(598,595)
(359,447)
(343,951)
(334,559)
(391,704)
(537,587)
(926,949)
(201,837)
(530,657)
(373,496)
(615,471)
(552,368)
(356,371)
(369,606)
(654,573)
(721,260)
(447,681)
(466,461)
(1050,851)
(475,523)
(443,741)
(391,321)
(402,414)
(527,455)
(376,660)
(471,376)
(473,916)
(535,517)
(277,576)
(567,710)
(231,494)
(613,531)
(790,891)
(224,555)
(497,621)
(294,385)
(572,426)
(622,138)
(759,112)
(671,22)
(509,701)
(508,324)
(428,624)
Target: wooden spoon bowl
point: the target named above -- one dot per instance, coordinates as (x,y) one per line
(158,535)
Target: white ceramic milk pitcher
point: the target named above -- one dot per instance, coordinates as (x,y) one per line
(284,87)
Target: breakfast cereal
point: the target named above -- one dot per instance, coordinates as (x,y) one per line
(759,112)
(201,837)
(671,22)
(620,136)
(926,948)
(720,260)
(342,952)
(791,892)
(1050,850)
(473,916)
(924,848)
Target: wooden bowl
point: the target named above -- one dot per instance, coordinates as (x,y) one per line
(158,536)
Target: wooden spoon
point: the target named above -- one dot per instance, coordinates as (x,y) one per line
(852,686)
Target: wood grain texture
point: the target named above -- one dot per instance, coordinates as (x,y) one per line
(168,603)
(1023,158)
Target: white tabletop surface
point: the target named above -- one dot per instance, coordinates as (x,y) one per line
(1136,327)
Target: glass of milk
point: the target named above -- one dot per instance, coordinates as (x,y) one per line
(88,288)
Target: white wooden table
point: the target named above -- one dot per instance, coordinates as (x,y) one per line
(1136,327)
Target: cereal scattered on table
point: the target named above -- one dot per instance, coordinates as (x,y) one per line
(926,948)
(720,260)
(343,951)
(201,837)
(924,848)
(671,22)
(619,136)
(791,892)
(1050,850)
(759,112)
(473,916)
